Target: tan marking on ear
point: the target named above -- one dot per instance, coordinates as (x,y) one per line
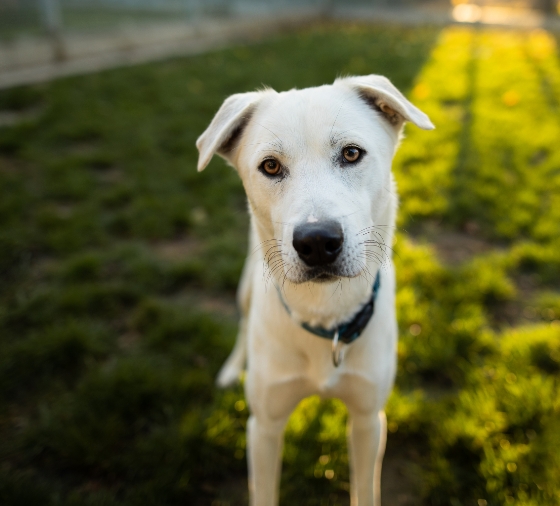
(386,109)
(381,94)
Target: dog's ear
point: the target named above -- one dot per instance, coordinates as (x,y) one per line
(221,135)
(381,94)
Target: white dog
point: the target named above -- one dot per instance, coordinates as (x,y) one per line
(318,312)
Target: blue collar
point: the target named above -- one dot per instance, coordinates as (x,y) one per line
(349,331)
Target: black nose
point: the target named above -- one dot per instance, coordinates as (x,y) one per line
(318,243)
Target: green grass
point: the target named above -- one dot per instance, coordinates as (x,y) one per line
(119,262)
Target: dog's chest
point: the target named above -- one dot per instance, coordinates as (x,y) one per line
(359,394)
(362,380)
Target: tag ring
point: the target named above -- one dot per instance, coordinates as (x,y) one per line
(336,350)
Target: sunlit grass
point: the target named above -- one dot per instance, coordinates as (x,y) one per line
(493,171)
(441,90)
(493,162)
(511,161)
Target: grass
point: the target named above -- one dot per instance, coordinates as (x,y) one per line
(118,265)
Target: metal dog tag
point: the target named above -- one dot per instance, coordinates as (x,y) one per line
(337,350)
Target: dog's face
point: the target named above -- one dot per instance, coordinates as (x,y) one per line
(316,167)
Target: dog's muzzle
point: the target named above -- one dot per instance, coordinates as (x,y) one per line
(318,244)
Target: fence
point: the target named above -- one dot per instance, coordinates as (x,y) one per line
(21,18)
(36,17)
(44,39)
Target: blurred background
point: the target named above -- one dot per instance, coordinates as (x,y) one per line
(119,262)
(88,35)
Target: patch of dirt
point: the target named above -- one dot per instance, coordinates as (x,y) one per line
(128,340)
(16,166)
(398,486)
(232,491)
(507,314)
(110,175)
(176,249)
(8,166)
(223,304)
(455,248)
(64,210)
(12,118)
(519,310)
(82,147)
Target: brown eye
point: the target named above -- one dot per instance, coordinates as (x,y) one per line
(351,154)
(271,167)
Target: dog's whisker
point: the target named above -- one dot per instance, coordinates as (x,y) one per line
(335,120)
(274,262)
(277,267)
(273,254)
(381,245)
(259,247)
(371,227)
(396,253)
(278,151)
(273,250)
(278,263)
(336,139)
(379,252)
(372,258)
(284,280)
(349,214)
(387,189)
(365,269)
(335,290)
(263,244)
(268,129)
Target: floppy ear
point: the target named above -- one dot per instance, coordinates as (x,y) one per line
(225,128)
(381,94)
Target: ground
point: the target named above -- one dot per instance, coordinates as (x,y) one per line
(119,263)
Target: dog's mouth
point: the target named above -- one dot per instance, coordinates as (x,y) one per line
(327,274)
(330,273)
(321,275)
(324,278)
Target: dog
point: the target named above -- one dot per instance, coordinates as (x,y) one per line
(317,292)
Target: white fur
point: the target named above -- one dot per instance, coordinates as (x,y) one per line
(306,130)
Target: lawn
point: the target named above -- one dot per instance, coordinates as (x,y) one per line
(119,262)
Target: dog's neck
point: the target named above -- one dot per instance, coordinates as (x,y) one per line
(329,304)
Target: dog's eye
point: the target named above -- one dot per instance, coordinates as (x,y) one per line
(271,167)
(351,154)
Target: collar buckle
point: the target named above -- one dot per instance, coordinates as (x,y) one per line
(337,349)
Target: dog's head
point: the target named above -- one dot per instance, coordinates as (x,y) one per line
(316,167)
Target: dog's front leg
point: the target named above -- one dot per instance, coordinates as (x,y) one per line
(366,444)
(265,440)
(271,404)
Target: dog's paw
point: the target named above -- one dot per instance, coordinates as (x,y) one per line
(228,376)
